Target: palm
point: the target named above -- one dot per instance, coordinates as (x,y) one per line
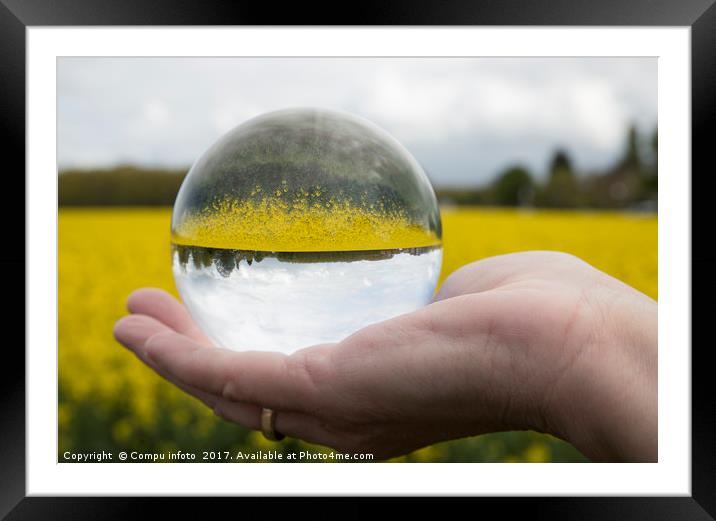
(500,333)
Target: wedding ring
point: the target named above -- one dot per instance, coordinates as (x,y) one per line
(268,425)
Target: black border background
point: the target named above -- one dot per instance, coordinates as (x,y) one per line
(15,15)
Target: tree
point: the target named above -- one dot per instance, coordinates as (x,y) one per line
(632,157)
(651,176)
(514,187)
(560,162)
(562,189)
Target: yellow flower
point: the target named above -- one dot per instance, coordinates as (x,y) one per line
(104,254)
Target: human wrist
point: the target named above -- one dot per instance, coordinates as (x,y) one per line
(609,410)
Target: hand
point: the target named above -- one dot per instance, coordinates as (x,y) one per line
(534,340)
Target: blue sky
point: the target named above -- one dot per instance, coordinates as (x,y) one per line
(464,119)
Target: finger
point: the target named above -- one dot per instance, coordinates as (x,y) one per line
(246,414)
(165,308)
(289,423)
(488,273)
(267,379)
(133,331)
(306,428)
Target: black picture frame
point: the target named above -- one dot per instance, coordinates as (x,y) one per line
(17,15)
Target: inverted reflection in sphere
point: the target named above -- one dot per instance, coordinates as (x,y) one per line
(300,227)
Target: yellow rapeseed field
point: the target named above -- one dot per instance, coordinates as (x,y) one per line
(110,401)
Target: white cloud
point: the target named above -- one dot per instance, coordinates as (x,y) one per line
(463,118)
(156,113)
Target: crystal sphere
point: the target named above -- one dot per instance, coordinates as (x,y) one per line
(301,226)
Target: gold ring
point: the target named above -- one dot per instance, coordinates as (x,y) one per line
(268,425)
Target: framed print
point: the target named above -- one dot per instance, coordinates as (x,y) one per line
(449,250)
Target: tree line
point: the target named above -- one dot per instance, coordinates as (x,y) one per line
(630,182)
(120,186)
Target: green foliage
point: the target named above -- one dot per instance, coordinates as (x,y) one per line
(513,188)
(98,425)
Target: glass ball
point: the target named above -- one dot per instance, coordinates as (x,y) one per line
(301,226)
